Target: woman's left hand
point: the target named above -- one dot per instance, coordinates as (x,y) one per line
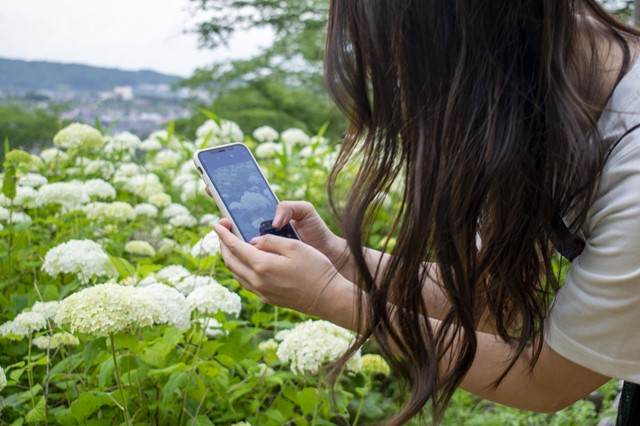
(283,271)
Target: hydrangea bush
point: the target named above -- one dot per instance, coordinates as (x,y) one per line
(117,309)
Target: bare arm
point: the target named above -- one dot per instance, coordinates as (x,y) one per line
(552,384)
(294,275)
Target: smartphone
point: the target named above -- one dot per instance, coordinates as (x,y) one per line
(240,190)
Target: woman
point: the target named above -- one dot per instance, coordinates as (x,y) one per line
(510,124)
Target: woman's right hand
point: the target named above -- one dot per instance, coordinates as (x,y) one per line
(312,229)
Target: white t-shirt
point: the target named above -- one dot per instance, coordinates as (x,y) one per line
(595,317)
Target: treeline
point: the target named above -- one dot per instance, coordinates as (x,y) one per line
(26,128)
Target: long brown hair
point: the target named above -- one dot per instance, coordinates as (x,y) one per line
(487,111)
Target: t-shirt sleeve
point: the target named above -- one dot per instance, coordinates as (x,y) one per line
(595,317)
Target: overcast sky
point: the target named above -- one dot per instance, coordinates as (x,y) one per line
(127,34)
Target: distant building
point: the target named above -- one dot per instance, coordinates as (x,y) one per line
(124,93)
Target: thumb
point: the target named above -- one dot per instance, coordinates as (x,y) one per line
(274,244)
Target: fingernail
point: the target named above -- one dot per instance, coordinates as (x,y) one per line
(254,241)
(277,221)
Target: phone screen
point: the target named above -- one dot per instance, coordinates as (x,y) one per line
(243,190)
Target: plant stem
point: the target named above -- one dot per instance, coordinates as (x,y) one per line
(115,363)
(30,373)
(355,421)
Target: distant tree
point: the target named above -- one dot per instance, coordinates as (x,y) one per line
(28,129)
(282,86)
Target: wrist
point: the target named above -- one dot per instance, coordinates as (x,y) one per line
(337,303)
(337,251)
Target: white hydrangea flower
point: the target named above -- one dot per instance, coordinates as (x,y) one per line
(174,308)
(209,219)
(183,221)
(175,209)
(184,177)
(53,155)
(145,209)
(147,281)
(311,344)
(161,136)
(100,189)
(167,159)
(24,324)
(166,246)
(69,195)
(150,145)
(306,152)
(230,132)
(126,171)
(84,258)
(208,127)
(144,186)
(47,309)
(191,189)
(55,341)
(160,199)
(187,284)
(210,326)
(3,379)
(213,298)
(268,345)
(25,197)
(78,135)
(8,216)
(117,211)
(209,245)
(140,248)
(172,273)
(268,149)
(107,308)
(102,168)
(295,137)
(33,180)
(124,141)
(265,134)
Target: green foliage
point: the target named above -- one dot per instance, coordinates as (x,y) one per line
(27,129)
(165,376)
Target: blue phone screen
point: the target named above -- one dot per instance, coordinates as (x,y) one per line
(242,188)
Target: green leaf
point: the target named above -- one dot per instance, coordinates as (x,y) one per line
(155,354)
(323,129)
(122,265)
(160,372)
(37,413)
(93,350)
(211,115)
(174,387)
(98,125)
(307,398)
(201,421)
(126,341)
(16,374)
(171,128)
(18,422)
(105,376)
(87,404)
(9,182)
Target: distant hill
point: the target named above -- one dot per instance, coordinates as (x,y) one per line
(34,75)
